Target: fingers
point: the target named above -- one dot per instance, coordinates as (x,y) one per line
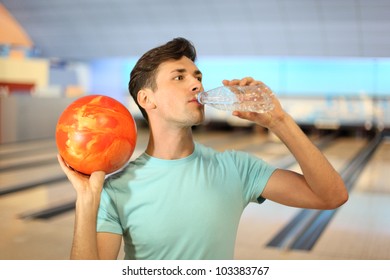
(63,165)
(262,119)
(80,181)
(250,116)
(241,82)
(73,176)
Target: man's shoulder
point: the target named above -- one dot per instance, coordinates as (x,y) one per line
(126,171)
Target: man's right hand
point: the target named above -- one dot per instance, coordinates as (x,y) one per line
(88,188)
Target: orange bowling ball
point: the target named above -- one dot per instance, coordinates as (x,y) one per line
(96,133)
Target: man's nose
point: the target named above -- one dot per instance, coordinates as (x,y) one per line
(197,86)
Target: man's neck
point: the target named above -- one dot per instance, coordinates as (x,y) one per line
(170,144)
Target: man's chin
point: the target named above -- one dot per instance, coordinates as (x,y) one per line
(199,121)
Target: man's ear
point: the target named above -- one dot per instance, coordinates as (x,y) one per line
(145,99)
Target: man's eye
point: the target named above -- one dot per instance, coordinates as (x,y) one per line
(199,79)
(180,77)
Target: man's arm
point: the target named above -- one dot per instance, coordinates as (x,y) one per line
(87,244)
(319,186)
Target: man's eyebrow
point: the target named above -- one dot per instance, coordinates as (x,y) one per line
(197,72)
(180,70)
(183,70)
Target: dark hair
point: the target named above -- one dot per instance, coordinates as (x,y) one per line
(144,72)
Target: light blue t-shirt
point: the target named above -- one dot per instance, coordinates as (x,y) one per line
(187,208)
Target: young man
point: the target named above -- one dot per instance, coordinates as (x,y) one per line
(180,199)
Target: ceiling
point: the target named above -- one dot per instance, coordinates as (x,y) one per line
(88,29)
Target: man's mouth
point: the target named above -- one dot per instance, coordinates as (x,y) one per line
(194,100)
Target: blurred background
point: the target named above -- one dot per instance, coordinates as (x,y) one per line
(328,61)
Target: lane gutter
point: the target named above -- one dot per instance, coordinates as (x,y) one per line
(304,230)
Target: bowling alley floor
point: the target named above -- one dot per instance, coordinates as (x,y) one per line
(36,214)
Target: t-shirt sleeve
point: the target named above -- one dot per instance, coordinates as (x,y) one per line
(108,218)
(254,173)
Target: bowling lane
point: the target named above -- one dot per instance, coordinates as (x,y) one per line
(225,139)
(361,228)
(374,179)
(260,223)
(25,164)
(35,239)
(27,159)
(19,148)
(36,175)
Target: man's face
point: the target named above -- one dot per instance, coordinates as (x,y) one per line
(178,82)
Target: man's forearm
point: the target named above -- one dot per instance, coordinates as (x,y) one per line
(319,174)
(84,239)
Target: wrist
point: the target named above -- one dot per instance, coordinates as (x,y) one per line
(279,122)
(87,203)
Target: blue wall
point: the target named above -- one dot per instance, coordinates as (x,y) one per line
(302,76)
(286,76)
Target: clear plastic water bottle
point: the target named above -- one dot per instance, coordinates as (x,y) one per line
(255,98)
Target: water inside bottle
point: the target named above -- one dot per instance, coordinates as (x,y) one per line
(236,98)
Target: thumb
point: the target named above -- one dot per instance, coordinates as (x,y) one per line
(96,179)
